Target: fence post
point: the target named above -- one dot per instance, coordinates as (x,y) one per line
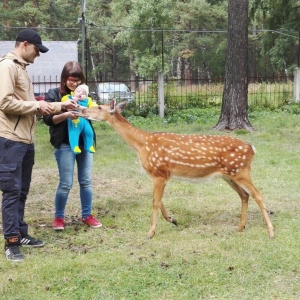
(161,99)
(297,85)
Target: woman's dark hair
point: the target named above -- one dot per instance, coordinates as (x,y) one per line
(71,69)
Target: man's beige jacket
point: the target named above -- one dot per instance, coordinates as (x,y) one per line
(18,107)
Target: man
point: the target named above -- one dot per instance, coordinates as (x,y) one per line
(18,110)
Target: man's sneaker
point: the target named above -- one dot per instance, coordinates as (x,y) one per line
(13,253)
(12,250)
(58,224)
(92,222)
(29,241)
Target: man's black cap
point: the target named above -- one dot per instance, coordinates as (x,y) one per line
(31,37)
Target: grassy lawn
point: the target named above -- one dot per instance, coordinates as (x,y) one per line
(204,257)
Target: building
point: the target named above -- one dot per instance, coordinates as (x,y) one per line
(46,70)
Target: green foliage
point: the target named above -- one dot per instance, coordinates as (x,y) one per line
(293,108)
(189,116)
(278,40)
(125,38)
(45,15)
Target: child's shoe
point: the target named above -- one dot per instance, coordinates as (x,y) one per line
(92,149)
(76,150)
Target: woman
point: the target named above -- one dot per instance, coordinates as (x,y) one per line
(72,75)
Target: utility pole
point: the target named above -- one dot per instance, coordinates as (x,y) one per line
(161,98)
(83,3)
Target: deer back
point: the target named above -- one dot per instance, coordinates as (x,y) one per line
(180,155)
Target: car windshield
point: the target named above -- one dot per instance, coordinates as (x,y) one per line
(117,87)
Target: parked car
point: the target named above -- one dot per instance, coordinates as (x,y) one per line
(109,90)
(39,96)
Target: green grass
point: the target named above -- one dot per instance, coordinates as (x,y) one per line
(204,257)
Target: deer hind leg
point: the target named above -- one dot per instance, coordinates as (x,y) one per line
(159,184)
(244,198)
(246,184)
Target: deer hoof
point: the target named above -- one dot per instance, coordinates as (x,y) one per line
(174,221)
(271,234)
(150,235)
(241,228)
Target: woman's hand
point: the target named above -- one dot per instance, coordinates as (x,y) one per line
(69,105)
(73,115)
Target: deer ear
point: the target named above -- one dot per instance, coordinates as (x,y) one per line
(113,103)
(121,106)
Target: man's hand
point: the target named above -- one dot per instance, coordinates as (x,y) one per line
(45,108)
(74,98)
(80,108)
(69,105)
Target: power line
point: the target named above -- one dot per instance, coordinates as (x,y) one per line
(118,28)
(39,27)
(278,32)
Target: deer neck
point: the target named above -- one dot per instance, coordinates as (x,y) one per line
(133,136)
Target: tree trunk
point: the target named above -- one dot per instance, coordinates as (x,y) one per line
(179,63)
(132,70)
(187,71)
(234,111)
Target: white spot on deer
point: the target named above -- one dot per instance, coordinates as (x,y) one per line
(209,164)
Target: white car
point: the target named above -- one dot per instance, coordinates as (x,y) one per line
(109,90)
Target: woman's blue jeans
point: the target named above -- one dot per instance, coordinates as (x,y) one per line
(66,162)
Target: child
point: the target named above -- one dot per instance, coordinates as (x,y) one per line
(81,125)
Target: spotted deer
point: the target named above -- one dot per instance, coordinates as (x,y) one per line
(165,155)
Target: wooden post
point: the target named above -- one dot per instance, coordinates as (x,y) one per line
(161,99)
(297,85)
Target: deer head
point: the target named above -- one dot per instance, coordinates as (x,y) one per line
(102,112)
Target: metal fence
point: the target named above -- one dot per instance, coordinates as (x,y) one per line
(179,94)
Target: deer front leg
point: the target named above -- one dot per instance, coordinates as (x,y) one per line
(159,184)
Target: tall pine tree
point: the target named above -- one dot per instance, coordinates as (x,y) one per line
(234,112)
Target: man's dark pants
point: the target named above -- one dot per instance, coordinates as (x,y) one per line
(16,163)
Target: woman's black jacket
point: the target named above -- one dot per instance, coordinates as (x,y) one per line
(59,132)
